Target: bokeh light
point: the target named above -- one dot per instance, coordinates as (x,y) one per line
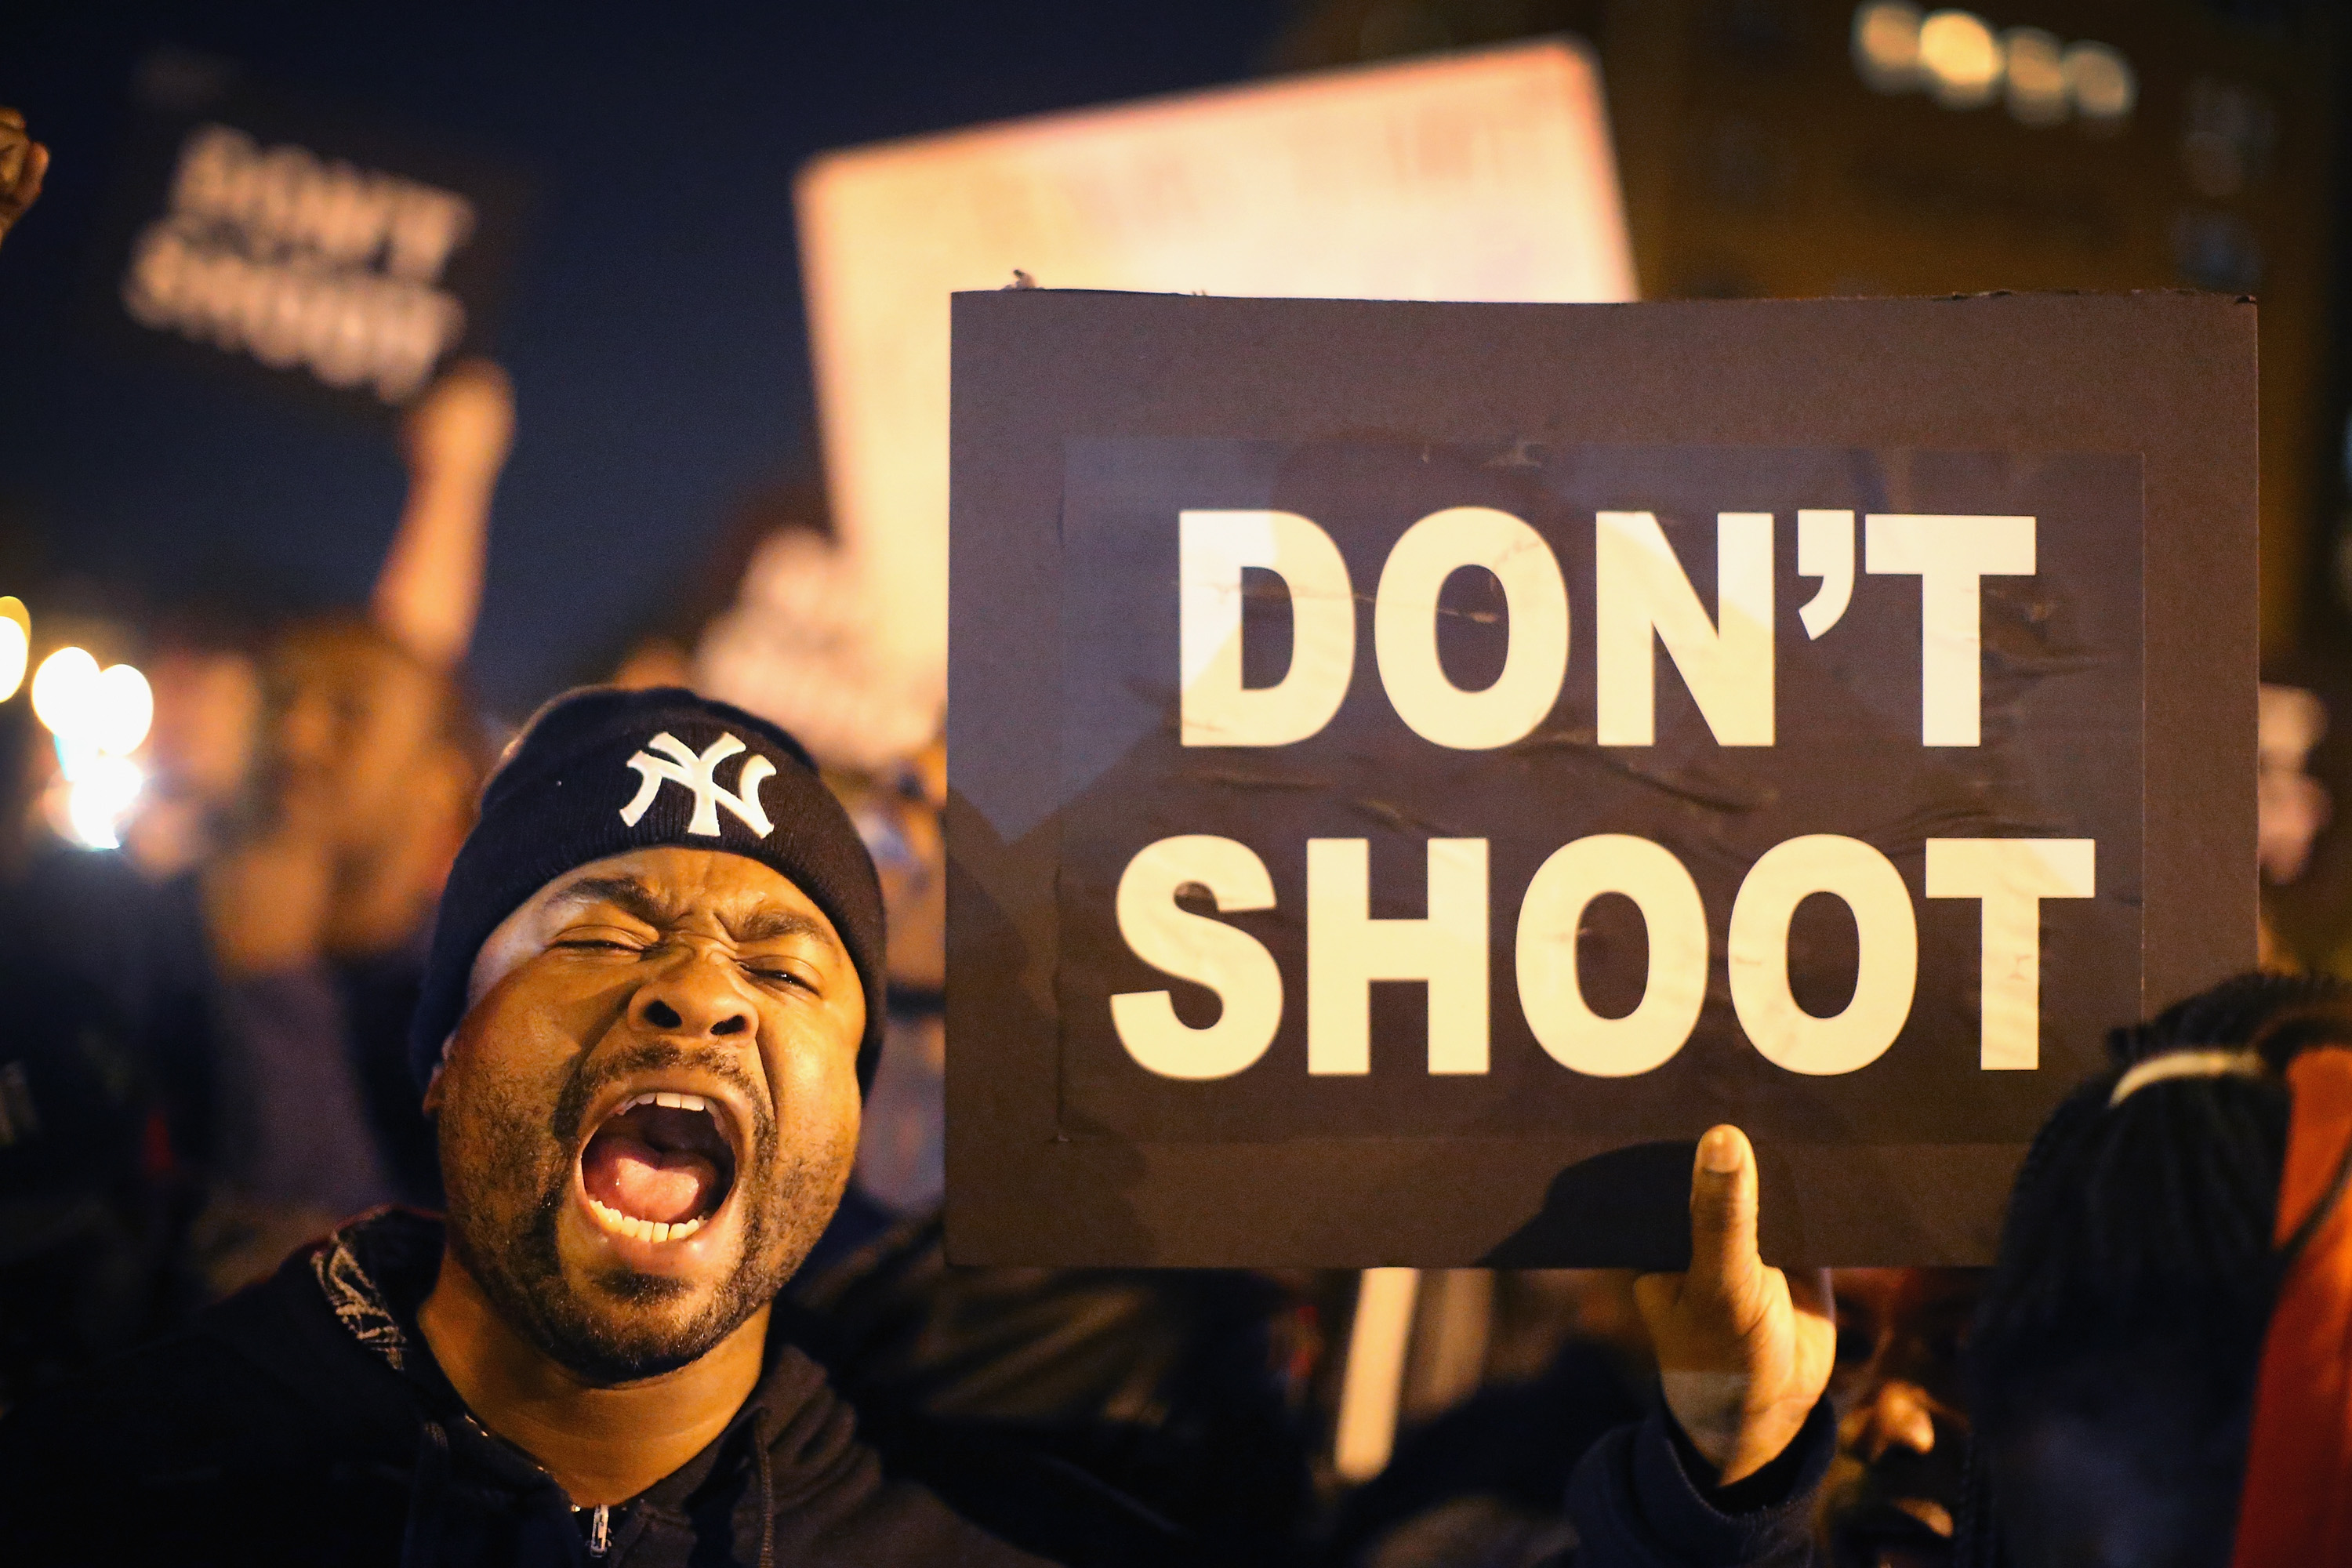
(15,647)
(98,801)
(2037,77)
(1961,58)
(1886,45)
(65,691)
(2102,82)
(99,717)
(125,712)
(1956,58)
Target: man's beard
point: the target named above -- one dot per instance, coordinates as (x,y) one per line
(612,1326)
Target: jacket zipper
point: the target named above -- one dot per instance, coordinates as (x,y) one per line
(600,1531)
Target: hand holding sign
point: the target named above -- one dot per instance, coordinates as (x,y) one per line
(1744,1352)
(23,162)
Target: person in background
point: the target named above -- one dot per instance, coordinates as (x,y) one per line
(24,164)
(320,894)
(2160,1372)
(901,1163)
(205,675)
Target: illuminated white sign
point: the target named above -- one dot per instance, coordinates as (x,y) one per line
(1484,176)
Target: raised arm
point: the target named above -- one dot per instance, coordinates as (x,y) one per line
(430,589)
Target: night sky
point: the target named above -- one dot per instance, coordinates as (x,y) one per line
(653,323)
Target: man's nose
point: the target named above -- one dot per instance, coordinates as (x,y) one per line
(695,998)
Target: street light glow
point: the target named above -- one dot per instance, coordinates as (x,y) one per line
(99,717)
(1958,61)
(2104,86)
(1961,58)
(125,712)
(65,688)
(13,650)
(2037,77)
(1886,45)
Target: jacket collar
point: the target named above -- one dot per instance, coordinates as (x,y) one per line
(341,1265)
(374,1272)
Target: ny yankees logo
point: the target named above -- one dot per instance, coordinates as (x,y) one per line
(696,774)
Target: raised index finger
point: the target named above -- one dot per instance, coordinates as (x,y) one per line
(1723,1211)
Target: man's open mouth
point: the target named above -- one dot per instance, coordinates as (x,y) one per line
(659,1166)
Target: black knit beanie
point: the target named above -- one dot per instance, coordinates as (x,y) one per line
(602,771)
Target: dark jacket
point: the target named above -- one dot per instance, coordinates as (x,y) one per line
(304,1420)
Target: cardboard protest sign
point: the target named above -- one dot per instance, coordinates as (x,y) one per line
(1415,767)
(1483,175)
(296,246)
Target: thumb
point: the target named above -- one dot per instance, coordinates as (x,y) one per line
(1723,1213)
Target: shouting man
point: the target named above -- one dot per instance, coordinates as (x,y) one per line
(654,992)
(654,997)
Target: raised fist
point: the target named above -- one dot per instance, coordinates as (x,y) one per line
(23,162)
(462,428)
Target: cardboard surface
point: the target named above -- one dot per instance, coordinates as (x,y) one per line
(1483,175)
(2115,709)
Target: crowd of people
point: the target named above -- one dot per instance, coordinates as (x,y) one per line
(412,1154)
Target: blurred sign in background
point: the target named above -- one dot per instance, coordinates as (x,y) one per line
(342,260)
(1484,175)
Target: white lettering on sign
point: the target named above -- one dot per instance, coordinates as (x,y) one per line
(1644,601)
(1212,550)
(1825,549)
(1347,949)
(1641,595)
(2012,875)
(1950,556)
(1885,974)
(1640,590)
(1227,959)
(1551,995)
(1404,628)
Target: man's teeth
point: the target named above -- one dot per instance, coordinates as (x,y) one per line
(670,1100)
(614,1220)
